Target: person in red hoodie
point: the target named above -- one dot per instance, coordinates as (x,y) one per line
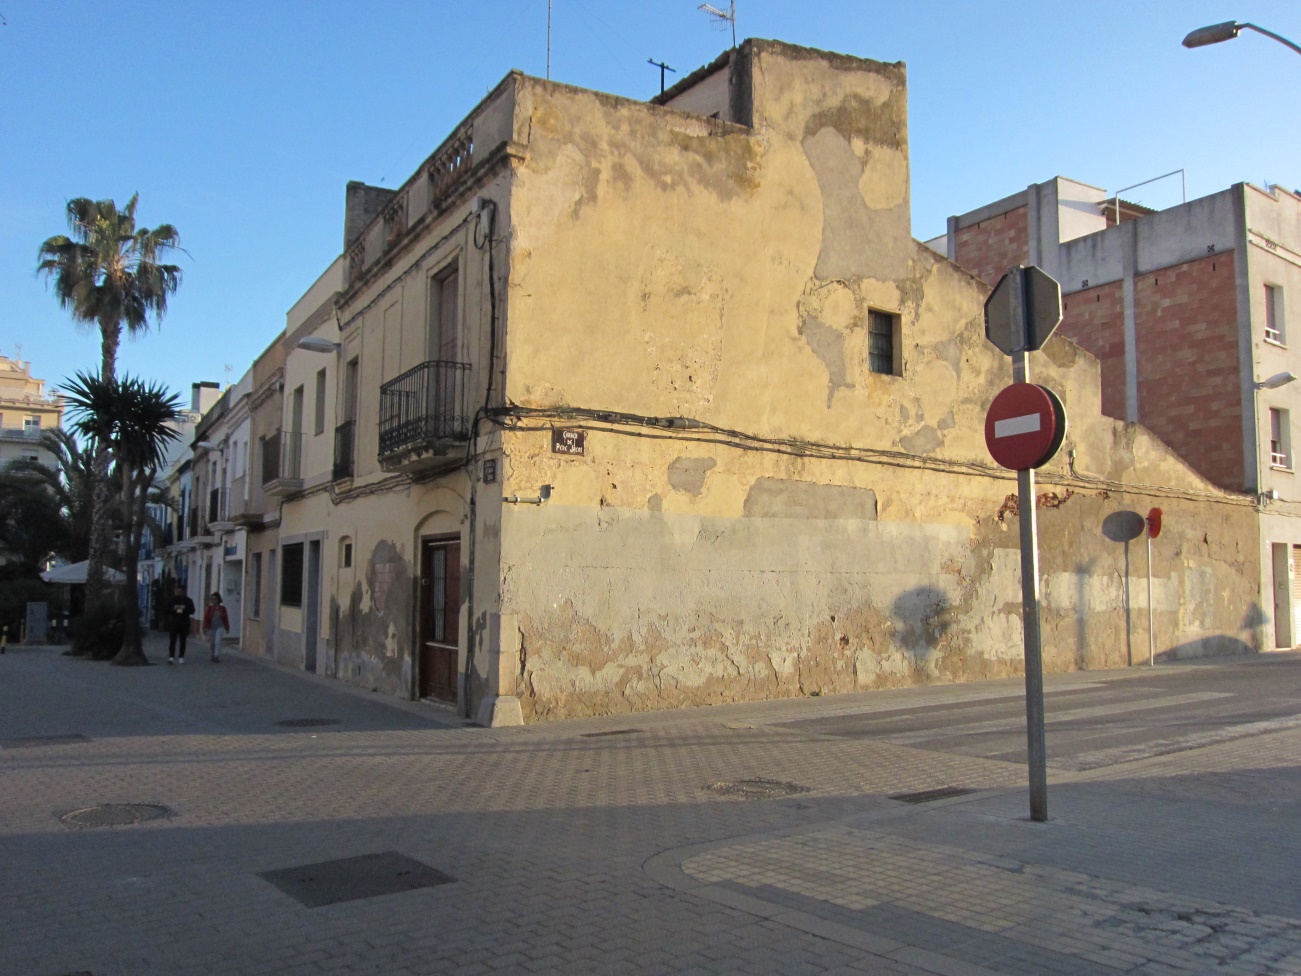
(215,623)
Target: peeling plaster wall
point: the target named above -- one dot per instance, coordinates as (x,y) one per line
(783,576)
(727,277)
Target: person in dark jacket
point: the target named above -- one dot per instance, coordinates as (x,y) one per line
(179,611)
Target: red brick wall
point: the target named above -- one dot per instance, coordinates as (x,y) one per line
(1189,376)
(1095,319)
(989,248)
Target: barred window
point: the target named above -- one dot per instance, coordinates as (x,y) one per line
(882,342)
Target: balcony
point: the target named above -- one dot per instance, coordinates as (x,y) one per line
(424,417)
(29,435)
(219,511)
(345,447)
(199,534)
(282,463)
(242,511)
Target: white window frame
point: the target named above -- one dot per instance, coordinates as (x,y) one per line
(1275,318)
(1280,438)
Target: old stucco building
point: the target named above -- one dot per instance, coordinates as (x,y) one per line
(638,405)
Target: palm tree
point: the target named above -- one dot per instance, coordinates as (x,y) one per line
(71,480)
(132,419)
(108,274)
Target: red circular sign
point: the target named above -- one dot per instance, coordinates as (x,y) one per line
(1024,426)
(1154,523)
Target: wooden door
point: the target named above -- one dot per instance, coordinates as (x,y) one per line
(440,617)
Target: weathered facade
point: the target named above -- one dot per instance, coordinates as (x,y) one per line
(1187,310)
(647,405)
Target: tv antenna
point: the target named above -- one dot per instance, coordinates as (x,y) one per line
(548,40)
(722,17)
(663,68)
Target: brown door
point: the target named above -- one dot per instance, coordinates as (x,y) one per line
(440,617)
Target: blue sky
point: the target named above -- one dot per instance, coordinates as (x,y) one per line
(241,122)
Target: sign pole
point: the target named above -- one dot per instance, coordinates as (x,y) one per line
(1036,750)
(1151,630)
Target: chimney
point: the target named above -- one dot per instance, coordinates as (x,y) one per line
(363,203)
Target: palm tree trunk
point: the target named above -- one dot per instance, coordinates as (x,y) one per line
(97,589)
(135,493)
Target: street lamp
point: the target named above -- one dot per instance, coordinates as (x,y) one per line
(318,344)
(1277,380)
(1227,32)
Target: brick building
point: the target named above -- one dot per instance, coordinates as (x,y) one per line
(1187,311)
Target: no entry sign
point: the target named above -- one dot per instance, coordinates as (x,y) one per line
(1025,426)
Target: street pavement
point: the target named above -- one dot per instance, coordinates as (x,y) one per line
(236,818)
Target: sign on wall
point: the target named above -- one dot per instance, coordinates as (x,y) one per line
(568,441)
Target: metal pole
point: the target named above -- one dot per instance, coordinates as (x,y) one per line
(1036,750)
(549,40)
(1151,630)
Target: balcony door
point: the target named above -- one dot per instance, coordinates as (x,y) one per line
(440,617)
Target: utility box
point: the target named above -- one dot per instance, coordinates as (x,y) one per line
(38,622)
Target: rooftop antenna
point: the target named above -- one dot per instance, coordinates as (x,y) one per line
(548,40)
(721,18)
(663,68)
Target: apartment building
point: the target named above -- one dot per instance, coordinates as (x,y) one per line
(25,411)
(1187,310)
(616,405)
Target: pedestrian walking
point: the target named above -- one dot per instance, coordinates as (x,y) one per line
(179,612)
(215,623)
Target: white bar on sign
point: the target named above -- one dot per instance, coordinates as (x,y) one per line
(1017,425)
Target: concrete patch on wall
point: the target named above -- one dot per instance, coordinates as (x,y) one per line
(688,474)
(779,498)
(372,645)
(828,345)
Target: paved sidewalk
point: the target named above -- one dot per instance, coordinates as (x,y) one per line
(597,846)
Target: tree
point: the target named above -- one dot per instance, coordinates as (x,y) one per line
(71,481)
(131,418)
(108,274)
(32,527)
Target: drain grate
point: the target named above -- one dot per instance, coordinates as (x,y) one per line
(755,789)
(598,735)
(116,815)
(308,723)
(33,741)
(353,878)
(926,796)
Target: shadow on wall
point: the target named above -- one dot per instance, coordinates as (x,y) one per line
(1216,645)
(922,616)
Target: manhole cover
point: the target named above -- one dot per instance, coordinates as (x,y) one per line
(756,789)
(32,741)
(597,735)
(308,723)
(926,796)
(115,815)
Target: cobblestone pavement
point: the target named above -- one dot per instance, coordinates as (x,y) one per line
(596,846)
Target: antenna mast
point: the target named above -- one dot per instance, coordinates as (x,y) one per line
(548,40)
(663,68)
(722,17)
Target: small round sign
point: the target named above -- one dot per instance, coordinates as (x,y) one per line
(1025,426)
(1154,523)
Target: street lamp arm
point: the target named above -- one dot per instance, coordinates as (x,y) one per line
(1277,37)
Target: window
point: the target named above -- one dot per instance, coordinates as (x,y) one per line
(1280,438)
(351,388)
(319,426)
(444,316)
(32,423)
(1275,328)
(291,575)
(882,342)
(255,587)
(296,411)
(345,553)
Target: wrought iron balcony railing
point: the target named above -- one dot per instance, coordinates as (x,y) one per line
(424,412)
(282,462)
